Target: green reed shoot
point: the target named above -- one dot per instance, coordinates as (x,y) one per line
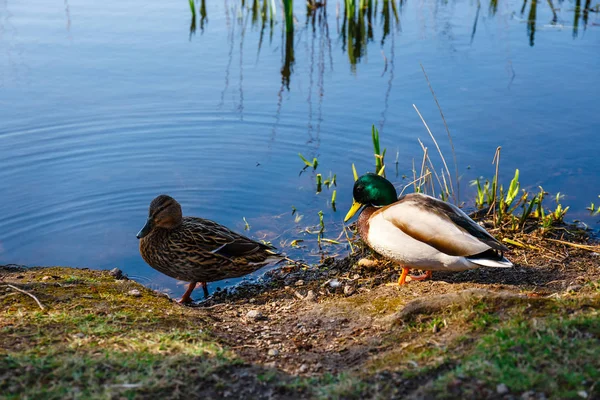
(330,181)
(559,212)
(350,8)
(193,8)
(321,228)
(312,164)
(505,204)
(319,183)
(513,190)
(594,210)
(354,173)
(296,242)
(288,9)
(379,156)
(333,197)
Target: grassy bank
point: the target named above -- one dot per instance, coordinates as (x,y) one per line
(342,330)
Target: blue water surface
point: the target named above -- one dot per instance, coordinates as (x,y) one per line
(105,105)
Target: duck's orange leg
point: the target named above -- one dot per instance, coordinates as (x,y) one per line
(426,275)
(402,279)
(186,298)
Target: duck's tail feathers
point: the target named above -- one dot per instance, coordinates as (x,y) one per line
(490,258)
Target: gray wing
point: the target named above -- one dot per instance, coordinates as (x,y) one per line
(441,225)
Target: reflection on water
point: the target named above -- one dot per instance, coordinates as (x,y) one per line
(102,112)
(359,20)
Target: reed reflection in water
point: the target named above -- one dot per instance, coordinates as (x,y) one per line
(358,20)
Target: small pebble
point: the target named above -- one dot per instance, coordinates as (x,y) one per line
(365,262)
(501,389)
(134,293)
(303,368)
(299,282)
(45,278)
(348,290)
(116,273)
(574,288)
(310,296)
(79,335)
(583,394)
(254,314)
(273,352)
(334,283)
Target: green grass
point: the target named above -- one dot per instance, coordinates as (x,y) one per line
(102,373)
(559,356)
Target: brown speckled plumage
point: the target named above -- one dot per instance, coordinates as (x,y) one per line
(196,249)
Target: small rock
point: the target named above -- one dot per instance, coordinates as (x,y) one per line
(348,290)
(501,389)
(273,352)
(574,288)
(528,395)
(365,262)
(134,293)
(334,283)
(583,394)
(45,278)
(254,314)
(79,335)
(116,273)
(303,368)
(299,282)
(310,296)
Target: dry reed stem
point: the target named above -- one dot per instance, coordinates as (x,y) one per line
(457,196)
(438,149)
(437,177)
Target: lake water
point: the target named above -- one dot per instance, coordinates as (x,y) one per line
(105,105)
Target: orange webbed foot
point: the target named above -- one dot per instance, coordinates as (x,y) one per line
(426,275)
(187,296)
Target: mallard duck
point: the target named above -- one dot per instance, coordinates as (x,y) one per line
(197,250)
(421,232)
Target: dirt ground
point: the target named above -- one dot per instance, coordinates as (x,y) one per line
(343,329)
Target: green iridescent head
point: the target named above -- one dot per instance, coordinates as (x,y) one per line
(371,190)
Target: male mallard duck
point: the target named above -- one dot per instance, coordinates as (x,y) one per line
(197,250)
(420,231)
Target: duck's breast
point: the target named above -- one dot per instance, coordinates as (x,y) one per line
(388,240)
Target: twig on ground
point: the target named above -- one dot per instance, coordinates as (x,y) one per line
(28,294)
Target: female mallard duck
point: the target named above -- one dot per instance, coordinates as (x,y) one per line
(197,250)
(420,231)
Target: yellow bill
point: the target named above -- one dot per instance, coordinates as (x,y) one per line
(355,207)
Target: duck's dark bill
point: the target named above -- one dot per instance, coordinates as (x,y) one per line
(145,230)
